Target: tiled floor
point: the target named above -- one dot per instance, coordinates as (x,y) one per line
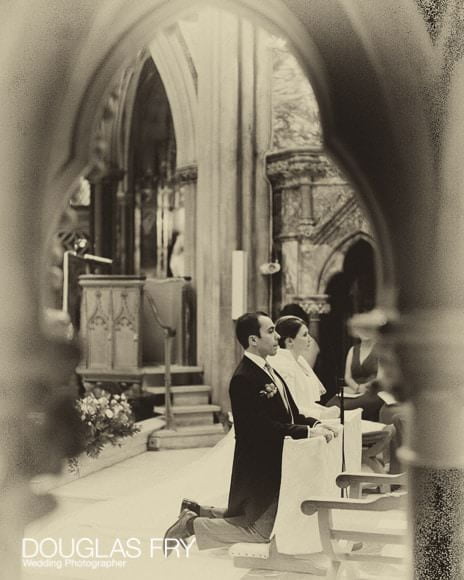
(139,498)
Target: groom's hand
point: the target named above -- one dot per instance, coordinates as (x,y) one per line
(326,431)
(321,432)
(334,428)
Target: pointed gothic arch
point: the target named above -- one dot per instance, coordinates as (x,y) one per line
(335,261)
(170,53)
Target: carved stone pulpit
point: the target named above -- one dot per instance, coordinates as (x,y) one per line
(111,328)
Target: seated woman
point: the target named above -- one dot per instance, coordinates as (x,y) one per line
(291,364)
(361,372)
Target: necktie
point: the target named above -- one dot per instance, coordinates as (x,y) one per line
(280,386)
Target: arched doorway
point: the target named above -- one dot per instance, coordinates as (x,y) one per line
(350,291)
(152,167)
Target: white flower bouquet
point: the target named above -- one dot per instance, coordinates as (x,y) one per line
(106,418)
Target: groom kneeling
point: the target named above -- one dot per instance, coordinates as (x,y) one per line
(264,413)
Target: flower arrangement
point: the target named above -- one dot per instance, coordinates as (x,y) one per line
(106,419)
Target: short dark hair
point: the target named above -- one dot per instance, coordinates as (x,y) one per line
(288,327)
(248,325)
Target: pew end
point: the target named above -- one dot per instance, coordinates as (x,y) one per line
(355,480)
(338,542)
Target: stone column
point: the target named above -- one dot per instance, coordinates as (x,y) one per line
(254,141)
(430,337)
(37,425)
(431,328)
(429,351)
(286,207)
(232,210)
(216,211)
(123,252)
(418,344)
(186,185)
(306,193)
(106,215)
(293,174)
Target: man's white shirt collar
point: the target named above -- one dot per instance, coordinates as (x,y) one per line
(258,360)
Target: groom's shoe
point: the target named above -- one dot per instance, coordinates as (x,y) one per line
(188,504)
(179,530)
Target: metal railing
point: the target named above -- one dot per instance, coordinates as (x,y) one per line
(169,334)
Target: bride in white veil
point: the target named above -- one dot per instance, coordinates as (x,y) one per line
(291,363)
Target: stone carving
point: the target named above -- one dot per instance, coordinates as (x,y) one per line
(292,174)
(290,214)
(315,305)
(295,167)
(290,270)
(289,284)
(296,175)
(98,316)
(295,113)
(306,230)
(346,220)
(314,207)
(110,135)
(100,149)
(124,318)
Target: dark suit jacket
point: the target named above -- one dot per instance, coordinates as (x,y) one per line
(260,424)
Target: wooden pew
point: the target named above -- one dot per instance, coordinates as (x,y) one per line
(354,481)
(295,546)
(343,544)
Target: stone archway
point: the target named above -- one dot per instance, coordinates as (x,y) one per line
(375,124)
(88,98)
(348,281)
(177,69)
(137,31)
(335,261)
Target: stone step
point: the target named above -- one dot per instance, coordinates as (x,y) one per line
(189,409)
(183,395)
(186,415)
(153,375)
(186,437)
(148,369)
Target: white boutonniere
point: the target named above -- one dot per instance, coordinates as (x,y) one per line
(269,391)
